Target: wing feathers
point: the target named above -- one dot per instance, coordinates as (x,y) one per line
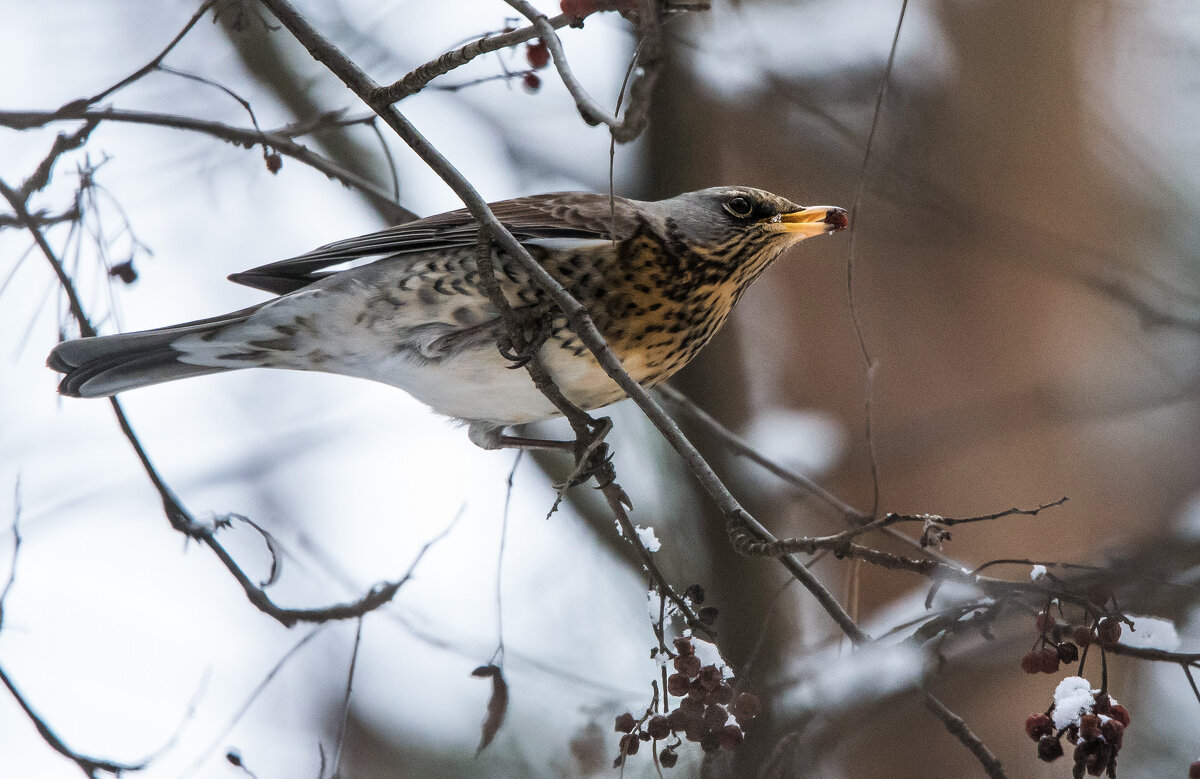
(556,216)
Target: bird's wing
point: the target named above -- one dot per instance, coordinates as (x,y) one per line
(573,216)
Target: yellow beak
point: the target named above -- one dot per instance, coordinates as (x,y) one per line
(814,220)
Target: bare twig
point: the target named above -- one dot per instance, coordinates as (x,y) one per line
(90,766)
(279,140)
(153,64)
(341,738)
(415,81)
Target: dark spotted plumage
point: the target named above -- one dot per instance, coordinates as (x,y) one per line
(658,278)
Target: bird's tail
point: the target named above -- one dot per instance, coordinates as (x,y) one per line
(105,365)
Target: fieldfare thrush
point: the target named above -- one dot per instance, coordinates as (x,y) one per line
(658,279)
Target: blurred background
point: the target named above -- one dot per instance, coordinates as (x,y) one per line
(1027,277)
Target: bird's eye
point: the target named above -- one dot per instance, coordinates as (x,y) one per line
(740,207)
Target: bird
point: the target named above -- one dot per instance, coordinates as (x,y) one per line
(406,306)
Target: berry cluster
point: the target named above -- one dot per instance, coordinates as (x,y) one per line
(1050,649)
(1096,732)
(538,56)
(702,716)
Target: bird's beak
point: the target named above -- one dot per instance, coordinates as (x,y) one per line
(814,220)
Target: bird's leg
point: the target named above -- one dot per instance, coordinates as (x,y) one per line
(489,435)
(592,457)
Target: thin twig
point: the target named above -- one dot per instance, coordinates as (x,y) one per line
(637,115)
(341,740)
(415,81)
(959,729)
(278,140)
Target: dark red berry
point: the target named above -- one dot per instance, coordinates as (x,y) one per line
(668,758)
(123,271)
(721,694)
(274,162)
(708,615)
(1038,725)
(715,717)
(629,744)
(1108,631)
(1089,727)
(1047,660)
(1044,622)
(1031,662)
(532,82)
(677,720)
(1112,732)
(688,665)
(692,708)
(1194,770)
(710,742)
(731,736)
(1068,652)
(625,723)
(683,645)
(677,684)
(658,727)
(710,677)
(537,54)
(1049,749)
(746,706)
(1120,714)
(1082,635)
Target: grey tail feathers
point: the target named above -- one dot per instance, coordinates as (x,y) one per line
(103,366)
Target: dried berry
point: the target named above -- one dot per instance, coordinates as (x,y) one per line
(1049,749)
(1068,652)
(1082,635)
(692,708)
(1044,622)
(708,615)
(684,646)
(1120,714)
(1108,631)
(722,694)
(1112,731)
(629,744)
(658,727)
(715,717)
(123,271)
(710,742)
(677,720)
(274,162)
(745,706)
(532,82)
(1047,660)
(677,685)
(688,665)
(537,54)
(697,690)
(625,723)
(1038,726)
(710,677)
(1089,727)
(1194,770)
(731,736)
(669,757)
(1031,662)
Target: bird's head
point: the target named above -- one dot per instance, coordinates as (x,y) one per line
(741,226)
